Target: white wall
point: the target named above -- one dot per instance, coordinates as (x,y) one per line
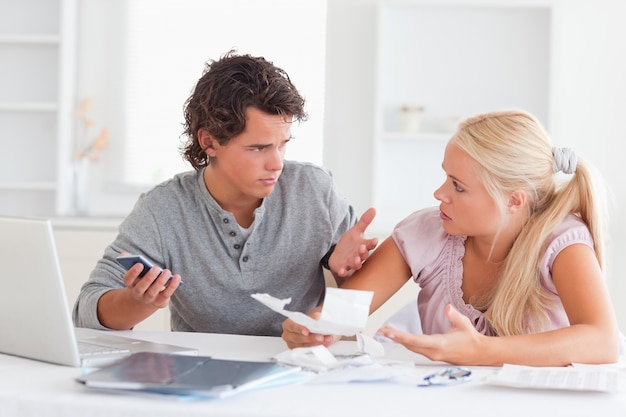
(349,107)
(588,100)
(589,90)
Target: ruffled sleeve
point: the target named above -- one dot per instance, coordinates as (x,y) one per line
(571,231)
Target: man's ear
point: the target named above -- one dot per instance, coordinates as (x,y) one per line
(206,142)
(517,201)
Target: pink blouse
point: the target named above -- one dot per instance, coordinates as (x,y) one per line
(435,261)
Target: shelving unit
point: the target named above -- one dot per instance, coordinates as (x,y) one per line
(36,101)
(454,59)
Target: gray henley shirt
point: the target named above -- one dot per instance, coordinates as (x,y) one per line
(178,225)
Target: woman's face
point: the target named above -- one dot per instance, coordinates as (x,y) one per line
(466,207)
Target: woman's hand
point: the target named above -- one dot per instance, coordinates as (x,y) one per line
(461,345)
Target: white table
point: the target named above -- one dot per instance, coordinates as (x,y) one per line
(30,388)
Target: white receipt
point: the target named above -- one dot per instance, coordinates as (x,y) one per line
(344,313)
(585,378)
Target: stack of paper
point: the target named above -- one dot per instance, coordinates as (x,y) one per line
(190,375)
(577,378)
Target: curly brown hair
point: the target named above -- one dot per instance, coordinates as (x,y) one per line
(226,89)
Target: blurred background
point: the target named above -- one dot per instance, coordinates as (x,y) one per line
(92,91)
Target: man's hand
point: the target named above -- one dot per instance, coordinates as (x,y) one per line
(155,288)
(297,336)
(353,249)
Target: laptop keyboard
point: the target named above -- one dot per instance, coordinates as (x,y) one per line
(91,349)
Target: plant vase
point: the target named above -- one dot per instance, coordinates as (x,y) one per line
(80,187)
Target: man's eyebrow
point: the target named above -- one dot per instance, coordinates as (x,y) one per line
(265,145)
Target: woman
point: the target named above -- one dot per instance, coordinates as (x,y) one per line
(514,250)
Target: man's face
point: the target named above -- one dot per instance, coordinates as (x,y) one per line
(248,166)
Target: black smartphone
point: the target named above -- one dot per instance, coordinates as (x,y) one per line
(129,260)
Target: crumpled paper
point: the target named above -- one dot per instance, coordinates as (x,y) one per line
(320,358)
(344,312)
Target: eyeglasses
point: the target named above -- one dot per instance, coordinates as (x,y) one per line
(447,376)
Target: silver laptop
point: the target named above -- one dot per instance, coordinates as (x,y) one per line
(35,318)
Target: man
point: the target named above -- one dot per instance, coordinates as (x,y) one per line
(244,221)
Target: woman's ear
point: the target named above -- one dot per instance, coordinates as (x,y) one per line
(517,201)
(206,142)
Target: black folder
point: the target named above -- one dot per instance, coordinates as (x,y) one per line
(189,375)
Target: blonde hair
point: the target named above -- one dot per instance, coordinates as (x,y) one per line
(515,154)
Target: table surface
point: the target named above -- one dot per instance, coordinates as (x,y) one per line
(31,388)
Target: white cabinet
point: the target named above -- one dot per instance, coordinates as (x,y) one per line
(36,104)
(453,60)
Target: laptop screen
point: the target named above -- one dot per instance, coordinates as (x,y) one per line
(34,313)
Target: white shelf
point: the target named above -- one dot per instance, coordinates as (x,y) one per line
(29,39)
(29,106)
(28,186)
(86,223)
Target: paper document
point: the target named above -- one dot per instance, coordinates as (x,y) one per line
(588,378)
(345,312)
